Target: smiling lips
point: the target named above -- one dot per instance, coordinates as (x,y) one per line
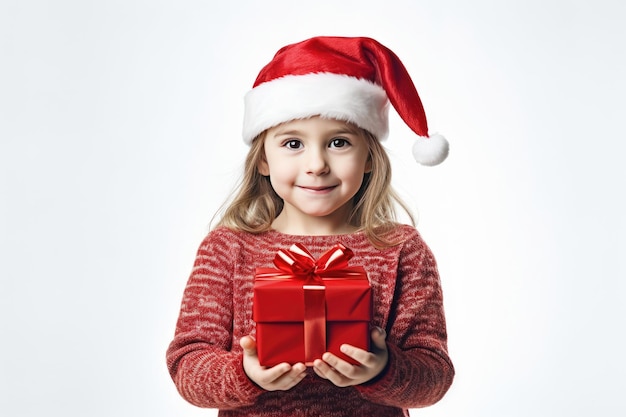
(318,190)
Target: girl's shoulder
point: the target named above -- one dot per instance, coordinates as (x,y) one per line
(410,241)
(234,238)
(402,230)
(223,234)
(402,234)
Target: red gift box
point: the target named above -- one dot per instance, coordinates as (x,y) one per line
(307,307)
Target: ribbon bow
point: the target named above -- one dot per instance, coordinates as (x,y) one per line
(297,260)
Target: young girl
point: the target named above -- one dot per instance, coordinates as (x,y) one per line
(316,174)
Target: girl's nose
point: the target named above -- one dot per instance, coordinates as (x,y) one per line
(316,163)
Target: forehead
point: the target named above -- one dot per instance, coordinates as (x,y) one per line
(314,124)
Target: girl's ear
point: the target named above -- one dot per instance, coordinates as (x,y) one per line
(263,167)
(368,165)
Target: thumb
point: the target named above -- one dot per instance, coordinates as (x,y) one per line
(248,345)
(378,337)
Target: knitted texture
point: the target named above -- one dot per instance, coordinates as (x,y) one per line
(205,359)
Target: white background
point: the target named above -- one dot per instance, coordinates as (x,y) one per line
(120,136)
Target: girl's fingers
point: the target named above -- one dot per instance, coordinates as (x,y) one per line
(273,374)
(343,373)
(325,369)
(379,337)
(289,379)
(248,344)
(339,365)
(321,368)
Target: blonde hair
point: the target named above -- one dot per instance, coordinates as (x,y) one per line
(255,204)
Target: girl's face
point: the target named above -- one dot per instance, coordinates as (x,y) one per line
(316,166)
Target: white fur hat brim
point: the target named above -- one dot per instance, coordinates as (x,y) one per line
(333,96)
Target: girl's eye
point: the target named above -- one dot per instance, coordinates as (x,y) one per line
(293,144)
(339,143)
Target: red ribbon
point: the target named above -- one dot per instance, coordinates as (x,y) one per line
(297,262)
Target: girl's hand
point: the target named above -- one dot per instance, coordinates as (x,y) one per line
(278,378)
(344,374)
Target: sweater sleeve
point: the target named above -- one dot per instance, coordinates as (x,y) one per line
(419,371)
(207,370)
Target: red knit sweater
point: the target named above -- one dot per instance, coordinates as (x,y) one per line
(205,359)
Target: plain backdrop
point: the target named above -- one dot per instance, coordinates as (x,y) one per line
(120,137)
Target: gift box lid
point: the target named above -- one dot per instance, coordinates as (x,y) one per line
(281,298)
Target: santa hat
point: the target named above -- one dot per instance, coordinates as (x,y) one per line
(349,79)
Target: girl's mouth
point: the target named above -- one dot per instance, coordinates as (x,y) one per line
(320,190)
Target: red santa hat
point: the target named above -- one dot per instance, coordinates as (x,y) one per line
(349,79)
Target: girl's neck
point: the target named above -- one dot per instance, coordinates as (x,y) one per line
(312,226)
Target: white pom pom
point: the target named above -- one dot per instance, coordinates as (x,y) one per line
(431,151)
